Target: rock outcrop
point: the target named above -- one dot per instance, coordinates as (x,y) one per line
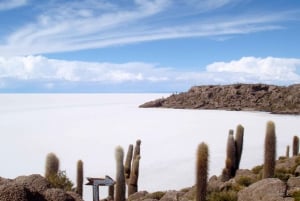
(254,97)
(33,187)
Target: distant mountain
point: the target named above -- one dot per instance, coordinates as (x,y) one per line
(253,97)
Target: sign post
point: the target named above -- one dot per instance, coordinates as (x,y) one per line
(96,182)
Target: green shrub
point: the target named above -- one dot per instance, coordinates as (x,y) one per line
(282,174)
(296,195)
(60,180)
(222,196)
(245,181)
(257,169)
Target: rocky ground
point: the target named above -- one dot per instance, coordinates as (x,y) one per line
(254,97)
(32,188)
(247,185)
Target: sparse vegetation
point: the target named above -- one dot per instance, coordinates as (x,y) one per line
(223,196)
(60,180)
(245,181)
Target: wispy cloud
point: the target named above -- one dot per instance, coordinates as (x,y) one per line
(11,4)
(96,24)
(48,73)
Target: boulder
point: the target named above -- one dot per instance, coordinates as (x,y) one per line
(297,171)
(55,194)
(34,183)
(33,188)
(172,196)
(293,185)
(264,190)
(13,192)
(137,196)
(214,184)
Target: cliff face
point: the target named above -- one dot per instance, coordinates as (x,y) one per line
(254,97)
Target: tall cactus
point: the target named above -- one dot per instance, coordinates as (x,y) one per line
(133,181)
(201,171)
(128,162)
(295,145)
(270,151)
(287,152)
(239,138)
(79,178)
(120,177)
(52,165)
(231,153)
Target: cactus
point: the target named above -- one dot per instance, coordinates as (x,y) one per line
(239,138)
(128,162)
(111,191)
(137,149)
(295,145)
(287,153)
(52,165)
(120,177)
(79,178)
(201,171)
(270,151)
(231,154)
(133,181)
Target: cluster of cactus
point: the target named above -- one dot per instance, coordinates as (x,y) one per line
(270,151)
(58,178)
(234,151)
(127,173)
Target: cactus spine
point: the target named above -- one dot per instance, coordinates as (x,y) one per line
(133,181)
(120,177)
(270,151)
(295,145)
(52,165)
(239,138)
(201,172)
(79,178)
(128,162)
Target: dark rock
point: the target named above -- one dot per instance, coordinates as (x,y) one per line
(34,183)
(33,188)
(256,97)
(13,192)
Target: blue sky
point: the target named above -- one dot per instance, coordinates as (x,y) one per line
(146,45)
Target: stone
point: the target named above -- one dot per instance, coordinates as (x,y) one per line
(293,185)
(297,171)
(55,194)
(172,196)
(264,190)
(12,191)
(137,196)
(34,183)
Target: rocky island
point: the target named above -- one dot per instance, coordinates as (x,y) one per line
(236,97)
